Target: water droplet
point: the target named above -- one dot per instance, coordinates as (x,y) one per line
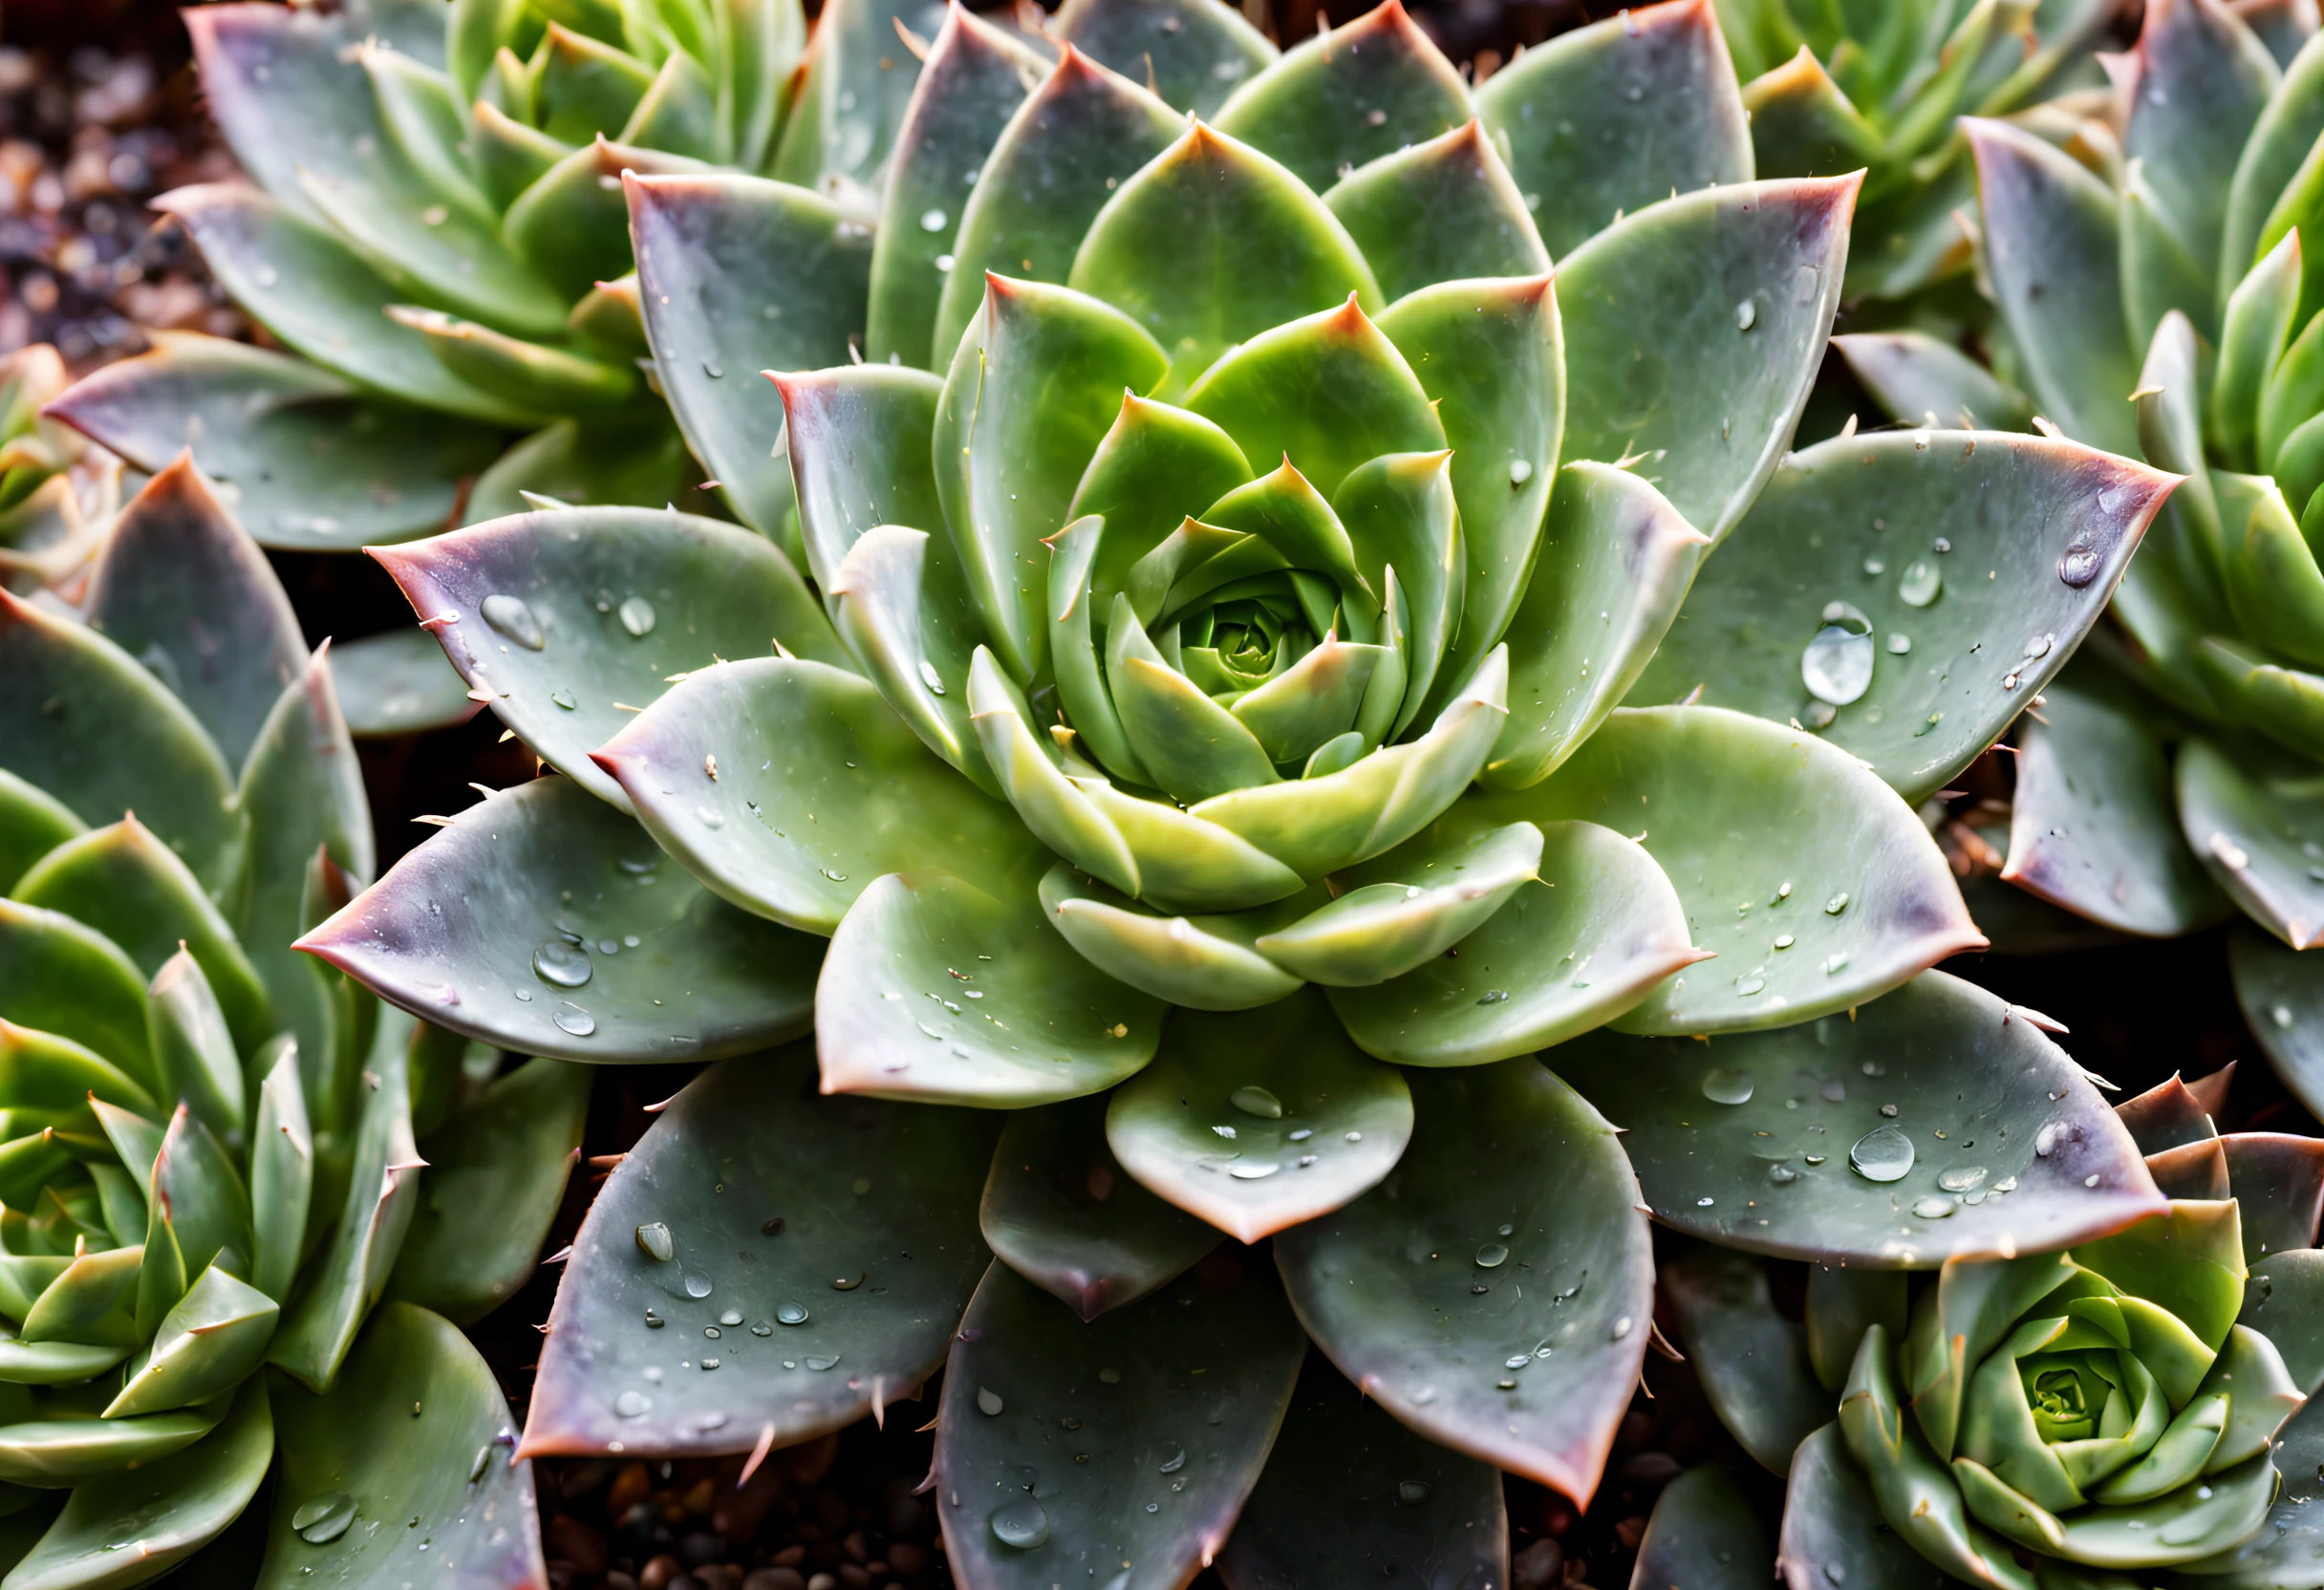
(1920,584)
(1175,1462)
(762,1329)
(933,221)
(988,1401)
(2281,1015)
(1253,1171)
(1874,566)
(1881,1154)
(930,677)
(820,1362)
(1303,1134)
(561,964)
(730,1317)
(653,1241)
(638,616)
(2079,566)
(572,1019)
(1750,984)
(790,1314)
(1836,904)
(1412,1493)
(1622,1327)
(1492,1256)
(1747,316)
(1780,1175)
(1900,644)
(1836,664)
(1962,1178)
(509,615)
(1784,941)
(1355,1137)
(1933,1207)
(1494,998)
(710,817)
(324,1518)
(1257,1101)
(1521,471)
(698,1287)
(1723,1085)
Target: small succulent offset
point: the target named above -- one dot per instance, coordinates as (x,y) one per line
(2129,1406)
(48,525)
(1199,742)
(208,1163)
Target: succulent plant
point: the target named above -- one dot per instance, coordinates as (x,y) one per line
(1192,748)
(47,530)
(2098,1414)
(208,1163)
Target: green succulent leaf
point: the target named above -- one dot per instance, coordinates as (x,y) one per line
(398,682)
(1693,331)
(2024,1132)
(1213,242)
(2280,1303)
(122,881)
(2160,277)
(1348,96)
(1438,211)
(2259,319)
(33,823)
(2281,1554)
(412,1373)
(2272,156)
(826,1320)
(937,991)
(555,886)
(715,255)
(971,82)
(1753,1362)
(572,222)
(1349,1495)
(857,798)
(322,299)
(1612,118)
(1068,148)
(536,377)
(1704,1531)
(282,1177)
(1585,941)
(572,620)
(1832,1531)
(858,85)
(62,978)
(1258,1121)
(2091,826)
(639,458)
(1864,905)
(1396,1318)
(81,719)
(183,590)
(1137,1435)
(2250,821)
(1060,1212)
(1202,962)
(496,1175)
(291,95)
(1817,554)
(207,1344)
(90,1300)
(2204,79)
(2049,236)
(2281,995)
(2277,1179)
(1915,378)
(193,1047)
(1611,545)
(1198,54)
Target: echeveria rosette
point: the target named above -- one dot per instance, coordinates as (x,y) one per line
(2117,1411)
(206,1141)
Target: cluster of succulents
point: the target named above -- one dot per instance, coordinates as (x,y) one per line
(1204,500)
(219,1260)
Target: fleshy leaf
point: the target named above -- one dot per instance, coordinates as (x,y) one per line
(2091,826)
(61,977)
(1865,903)
(574,618)
(183,590)
(1060,1211)
(1611,543)
(571,935)
(1614,116)
(2050,243)
(974,79)
(1210,244)
(398,682)
(81,719)
(715,254)
(1570,951)
(1074,142)
(858,795)
(1349,1495)
(1260,1120)
(1196,53)
(638,458)
(939,992)
(320,298)
(1831,1529)
(1348,96)
(2281,1554)
(1693,331)
(1705,1533)
(1819,1158)
(2282,995)
(2287,127)
(444,1466)
(33,823)
(1126,1455)
(1914,377)
(1397,1321)
(1208,962)
(572,222)
(1752,1360)
(833,1251)
(1853,523)
(496,1173)
(2281,1302)
(1436,211)
(2251,820)
(860,81)
(2202,81)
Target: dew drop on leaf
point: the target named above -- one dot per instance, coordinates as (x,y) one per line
(654,1242)
(561,964)
(1492,1256)
(511,617)
(573,1019)
(638,616)
(1920,584)
(1883,1155)
(1257,1101)
(1725,1086)
(1836,664)
(322,1520)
